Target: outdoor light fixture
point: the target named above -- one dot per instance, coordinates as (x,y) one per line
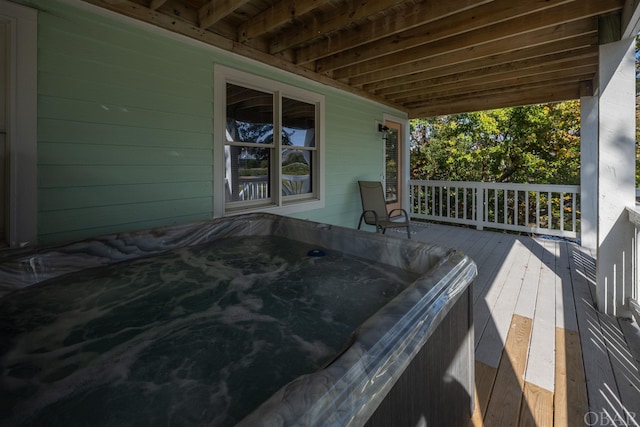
(385,131)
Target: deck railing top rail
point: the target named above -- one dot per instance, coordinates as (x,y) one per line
(532,208)
(501,185)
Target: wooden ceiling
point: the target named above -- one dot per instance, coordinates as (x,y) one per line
(425,57)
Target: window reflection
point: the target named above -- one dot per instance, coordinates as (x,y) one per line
(298,130)
(296,172)
(251,147)
(249,115)
(247,174)
(249,144)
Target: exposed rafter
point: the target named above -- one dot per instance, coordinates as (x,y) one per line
(155,4)
(281,13)
(425,57)
(215,10)
(389,25)
(430,31)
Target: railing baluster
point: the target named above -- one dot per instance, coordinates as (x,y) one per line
(573,212)
(537,209)
(526,208)
(464,203)
(481,205)
(486,206)
(433,200)
(495,204)
(515,207)
(549,211)
(561,211)
(504,205)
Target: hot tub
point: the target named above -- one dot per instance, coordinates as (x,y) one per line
(250,320)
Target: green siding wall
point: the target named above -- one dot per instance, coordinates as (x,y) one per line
(125,128)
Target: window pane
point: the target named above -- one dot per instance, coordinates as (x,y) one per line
(296,172)
(298,123)
(247,173)
(249,115)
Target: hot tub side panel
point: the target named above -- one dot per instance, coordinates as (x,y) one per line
(437,387)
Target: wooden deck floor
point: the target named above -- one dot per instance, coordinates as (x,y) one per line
(544,355)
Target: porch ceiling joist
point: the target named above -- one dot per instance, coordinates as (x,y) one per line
(424,57)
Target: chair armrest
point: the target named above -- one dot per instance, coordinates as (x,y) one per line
(404,212)
(362,216)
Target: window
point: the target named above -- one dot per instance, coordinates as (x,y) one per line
(270,156)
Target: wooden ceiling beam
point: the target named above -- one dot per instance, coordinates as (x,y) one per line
(338,18)
(422,56)
(569,76)
(530,74)
(357,10)
(280,14)
(450,52)
(561,50)
(216,10)
(414,46)
(489,16)
(517,69)
(483,102)
(156,4)
(144,14)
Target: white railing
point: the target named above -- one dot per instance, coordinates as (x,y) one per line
(531,208)
(634,298)
(253,188)
(257,188)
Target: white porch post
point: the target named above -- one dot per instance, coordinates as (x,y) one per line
(615,174)
(589,172)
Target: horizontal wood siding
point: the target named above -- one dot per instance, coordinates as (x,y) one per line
(125,128)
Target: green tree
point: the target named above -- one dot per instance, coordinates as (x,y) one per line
(537,143)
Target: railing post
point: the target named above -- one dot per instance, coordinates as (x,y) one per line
(479,211)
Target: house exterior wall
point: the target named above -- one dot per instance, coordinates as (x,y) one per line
(125,127)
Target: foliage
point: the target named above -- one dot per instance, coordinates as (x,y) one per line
(537,143)
(296,169)
(245,172)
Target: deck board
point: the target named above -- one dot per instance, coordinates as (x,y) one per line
(485,379)
(526,305)
(574,364)
(601,385)
(506,398)
(501,301)
(540,366)
(570,390)
(565,303)
(536,409)
(623,366)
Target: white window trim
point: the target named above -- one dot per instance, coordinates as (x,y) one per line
(224,75)
(22,123)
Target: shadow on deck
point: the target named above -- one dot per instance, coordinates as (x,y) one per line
(544,355)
